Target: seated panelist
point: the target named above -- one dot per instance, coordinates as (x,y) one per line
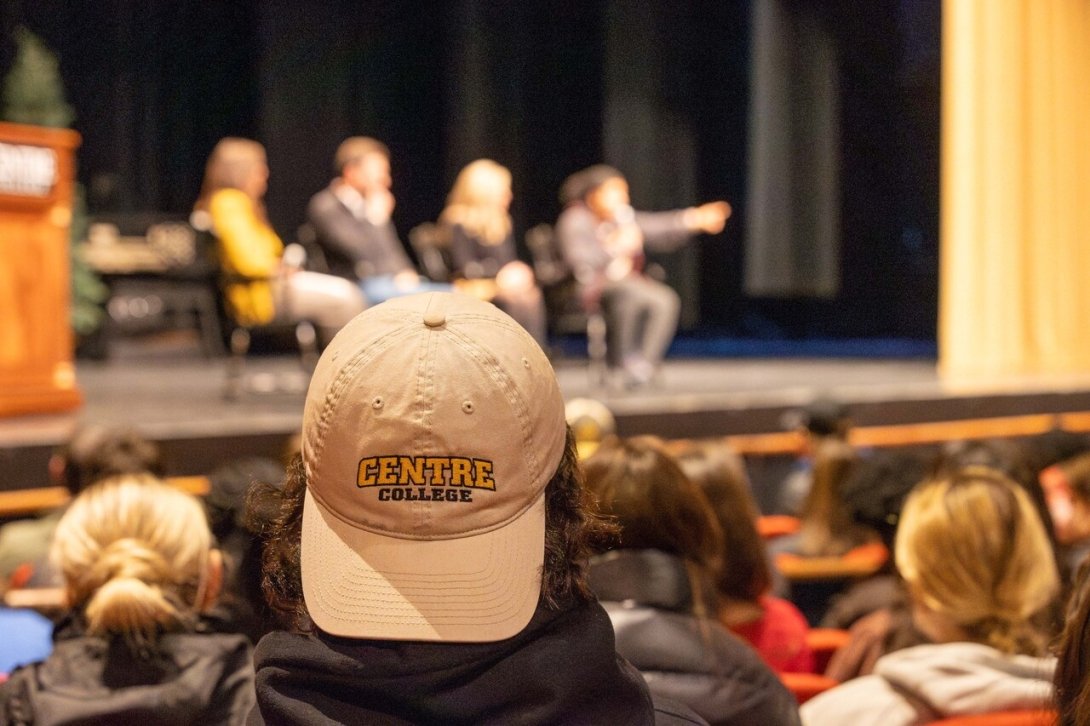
(351,218)
(261,286)
(602,239)
(477,226)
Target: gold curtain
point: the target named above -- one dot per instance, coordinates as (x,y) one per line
(1015,259)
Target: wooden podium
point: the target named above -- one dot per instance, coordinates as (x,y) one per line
(37,373)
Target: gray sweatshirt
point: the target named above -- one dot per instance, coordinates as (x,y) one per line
(919,685)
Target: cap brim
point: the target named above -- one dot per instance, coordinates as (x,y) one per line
(480,588)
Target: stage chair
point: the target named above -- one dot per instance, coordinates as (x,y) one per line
(241,333)
(565,311)
(823,643)
(431,252)
(804,686)
(816,580)
(307,238)
(1002,718)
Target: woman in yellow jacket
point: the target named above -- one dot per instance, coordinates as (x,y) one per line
(260,288)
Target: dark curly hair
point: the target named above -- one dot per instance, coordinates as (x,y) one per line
(573,531)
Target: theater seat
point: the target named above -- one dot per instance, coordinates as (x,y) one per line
(860,562)
(1001,718)
(805,686)
(771,526)
(823,643)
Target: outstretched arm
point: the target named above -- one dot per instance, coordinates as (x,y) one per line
(668,231)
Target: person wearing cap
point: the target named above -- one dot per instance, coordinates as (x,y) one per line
(603,240)
(351,220)
(429,553)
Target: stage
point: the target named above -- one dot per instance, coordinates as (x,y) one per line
(172,394)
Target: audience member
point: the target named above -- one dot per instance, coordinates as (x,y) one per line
(94,452)
(658,587)
(603,241)
(477,226)
(241,607)
(822,419)
(1054,450)
(261,286)
(828,529)
(1021,460)
(351,218)
(591,422)
(876,610)
(1072,679)
(773,626)
(138,566)
(430,546)
(1074,534)
(976,560)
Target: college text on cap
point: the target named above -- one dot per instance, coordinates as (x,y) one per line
(394,475)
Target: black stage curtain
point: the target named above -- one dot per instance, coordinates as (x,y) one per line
(154,85)
(662,90)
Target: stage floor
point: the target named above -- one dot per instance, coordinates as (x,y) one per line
(171,394)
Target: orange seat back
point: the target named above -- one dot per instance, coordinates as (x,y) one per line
(823,643)
(1001,718)
(860,562)
(771,526)
(805,686)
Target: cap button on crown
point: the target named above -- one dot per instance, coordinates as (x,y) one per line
(435,318)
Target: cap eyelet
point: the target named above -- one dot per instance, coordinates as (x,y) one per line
(468,407)
(377,403)
(525,362)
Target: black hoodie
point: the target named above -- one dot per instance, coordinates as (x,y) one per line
(562,668)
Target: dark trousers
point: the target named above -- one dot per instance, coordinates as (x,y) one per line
(641,318)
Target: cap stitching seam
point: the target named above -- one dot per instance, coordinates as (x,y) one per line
(345,376)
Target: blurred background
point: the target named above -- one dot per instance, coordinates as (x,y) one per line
(820,113)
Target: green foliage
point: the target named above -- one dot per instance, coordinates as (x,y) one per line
(88,291)
(34,94)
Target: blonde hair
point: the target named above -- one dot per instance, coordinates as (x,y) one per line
(471,202)
(134,553)
(229,166)
(972,548)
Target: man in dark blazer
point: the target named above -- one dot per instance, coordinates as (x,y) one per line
(351,219)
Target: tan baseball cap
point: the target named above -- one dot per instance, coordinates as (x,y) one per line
(431,427)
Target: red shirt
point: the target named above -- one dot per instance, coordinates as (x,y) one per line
(779,636)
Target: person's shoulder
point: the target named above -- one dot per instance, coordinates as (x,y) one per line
(23,528)
(784,614)
(282,646)
(229,201)
(574,214)
(323,200)
(16,705)
(575,223)
(209,647)
(673,713)
(869,699)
